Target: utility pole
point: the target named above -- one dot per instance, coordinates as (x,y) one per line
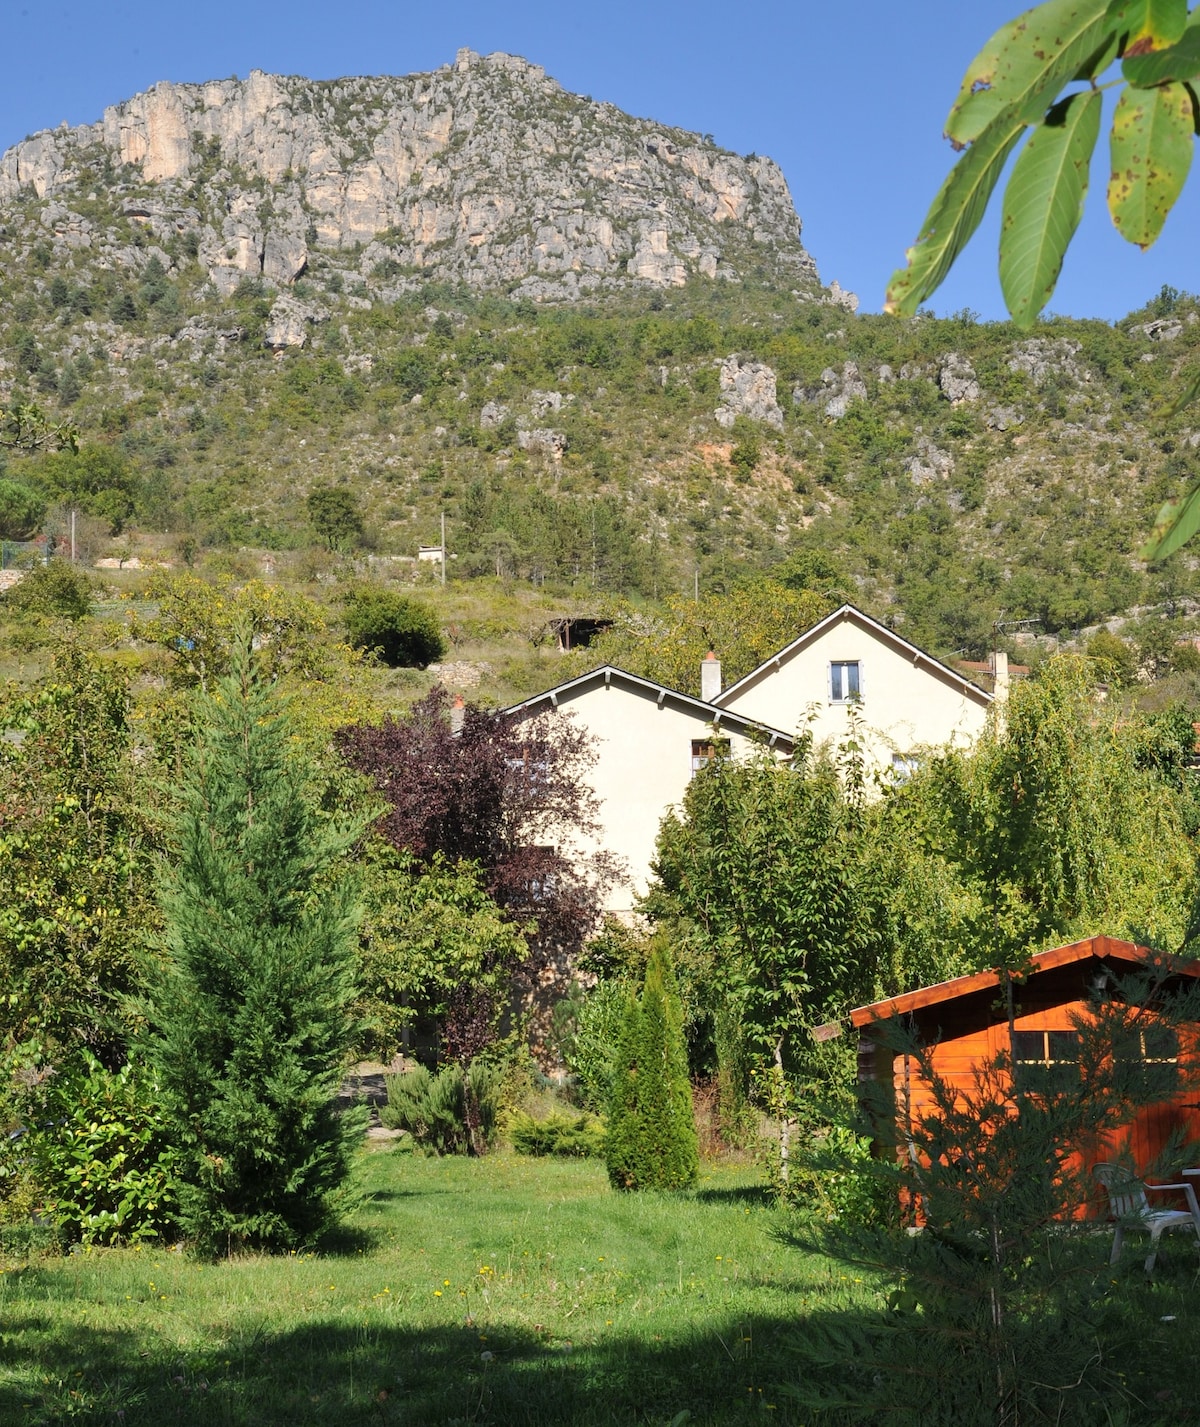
(443,547)
(72,537)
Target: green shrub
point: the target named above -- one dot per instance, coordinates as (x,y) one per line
(570,1136)
(651,1141)
(401,631)
(434,1108)
(589,1026)
(58,588)
(102,1156)
(21,510)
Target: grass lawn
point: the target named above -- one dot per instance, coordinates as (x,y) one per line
(504,1291)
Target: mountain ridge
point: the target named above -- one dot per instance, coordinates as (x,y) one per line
(485,172)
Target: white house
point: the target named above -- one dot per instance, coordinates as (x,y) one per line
(905,699)
(649,741)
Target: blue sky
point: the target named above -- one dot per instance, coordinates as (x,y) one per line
(848,99)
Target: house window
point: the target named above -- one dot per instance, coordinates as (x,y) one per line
(531,764)
(706,751)
(1148,1056)
(845,681)
(1046,1062)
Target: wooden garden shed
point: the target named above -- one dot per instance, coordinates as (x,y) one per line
(964,1024)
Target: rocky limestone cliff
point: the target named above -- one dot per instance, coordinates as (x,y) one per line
(485,172)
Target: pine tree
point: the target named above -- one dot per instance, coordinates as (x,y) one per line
(248,1012)
(651,1138)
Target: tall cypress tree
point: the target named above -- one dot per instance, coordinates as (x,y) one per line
(248,1012)
(651,1138)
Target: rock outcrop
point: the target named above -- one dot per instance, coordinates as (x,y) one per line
(956,377)
(748,389)
(484,172)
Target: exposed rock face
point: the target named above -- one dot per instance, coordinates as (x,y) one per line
(484,172)
(288,323)
(956,377)
(542,441)
(748,389)
(1041,358)
(930,463)
(837,389)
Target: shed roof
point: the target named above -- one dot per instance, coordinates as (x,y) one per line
(608,675)
(849,612)
(1102,947)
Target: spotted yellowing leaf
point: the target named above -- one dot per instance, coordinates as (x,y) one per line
(1155,24)
(1151,150)
(1026,62)
(955,214)
(1178,61)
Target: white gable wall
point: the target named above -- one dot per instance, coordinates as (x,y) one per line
(643,767)
(906,703)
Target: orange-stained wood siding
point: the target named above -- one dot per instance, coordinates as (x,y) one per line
(969,1028)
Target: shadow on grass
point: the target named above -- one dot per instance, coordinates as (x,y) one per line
(329,1373)
(759,1195)
(723,1372)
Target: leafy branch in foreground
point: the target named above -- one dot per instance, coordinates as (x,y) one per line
(1027,77)
(25,427)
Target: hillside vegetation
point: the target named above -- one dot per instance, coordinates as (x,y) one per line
(664,431)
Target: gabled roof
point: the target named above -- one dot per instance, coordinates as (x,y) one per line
(609,675)
(881,632)
(1102,947)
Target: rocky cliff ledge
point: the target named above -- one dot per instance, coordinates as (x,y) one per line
(485,172)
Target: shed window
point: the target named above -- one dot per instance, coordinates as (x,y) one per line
(845,681)
(706,751)
(1149,1056)
(1046,1062)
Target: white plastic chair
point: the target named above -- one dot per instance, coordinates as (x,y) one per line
(1129,1208)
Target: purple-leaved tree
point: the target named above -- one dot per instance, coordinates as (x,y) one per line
(512,797)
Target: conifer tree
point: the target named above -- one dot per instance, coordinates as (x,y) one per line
(248,1012)
(651,1139)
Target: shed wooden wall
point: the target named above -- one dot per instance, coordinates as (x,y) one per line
(972,1029)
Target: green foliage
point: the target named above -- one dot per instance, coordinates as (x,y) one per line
(335,516)
(200,621)
(589,1027)
(743,627)
(426,931)
(764,881)
(1062,826)
(651,1140)
(450,1112)
(1116,661)
(569,1136)
(25,427)
(400,630)
(103,1155)
(97,480)
(1012,85)
(248,1009)
(77,854)
(57,589)
(21,510)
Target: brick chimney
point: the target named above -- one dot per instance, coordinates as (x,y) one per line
(710,677)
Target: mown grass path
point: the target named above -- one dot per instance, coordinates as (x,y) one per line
(497,1291)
